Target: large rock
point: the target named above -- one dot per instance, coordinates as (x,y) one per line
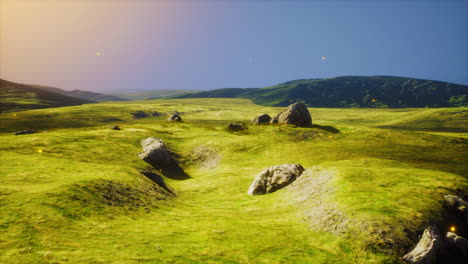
(275,178)
(262,119)
(156,154)
(296,114)
(427,250)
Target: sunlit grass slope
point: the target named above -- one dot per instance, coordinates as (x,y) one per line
(72,193)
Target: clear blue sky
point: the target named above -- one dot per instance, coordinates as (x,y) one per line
(144,45)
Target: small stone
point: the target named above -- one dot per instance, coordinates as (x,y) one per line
(25,132)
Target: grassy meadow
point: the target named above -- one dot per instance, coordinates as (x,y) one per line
(73,192)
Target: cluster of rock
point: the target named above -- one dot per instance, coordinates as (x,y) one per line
(275,178)
(434,246)
(295,114)
(174,116)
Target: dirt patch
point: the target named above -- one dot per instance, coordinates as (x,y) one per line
(205,157)
(311,193)
(105,196)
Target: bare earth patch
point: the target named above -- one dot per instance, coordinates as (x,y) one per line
(204,157)
(311,193)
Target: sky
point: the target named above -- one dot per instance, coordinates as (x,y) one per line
(131,45)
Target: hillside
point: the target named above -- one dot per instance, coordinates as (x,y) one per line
(18,97)
(82,94)
(351,91)
(73,192)
(153,94)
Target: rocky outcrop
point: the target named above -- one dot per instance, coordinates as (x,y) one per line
(275,178)
(434,248)
(175,117)
(262,119)
(295,114)
(156,113)
(459,247)
(139,114)
(456,202)
(156,154)
(25,132)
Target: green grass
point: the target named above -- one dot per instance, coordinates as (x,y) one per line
(82,199)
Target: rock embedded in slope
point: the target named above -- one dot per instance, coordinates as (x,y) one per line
(456,202)
(139,114)
(262,119)
(236,127)
(275,178)
(427,249)
(25,132)
(435,248)
(156,154)
(295,114)
(175,117)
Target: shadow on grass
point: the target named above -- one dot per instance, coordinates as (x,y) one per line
(156,178)
(327,128)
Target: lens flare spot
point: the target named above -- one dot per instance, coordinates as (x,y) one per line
(452,229)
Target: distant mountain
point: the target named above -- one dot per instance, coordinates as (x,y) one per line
(82,94)
(18,97)
(351,91)
(153,94)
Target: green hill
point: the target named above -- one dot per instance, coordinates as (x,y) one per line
(351,91)
(82,94)
(73,192)
(153,94)
(18,97)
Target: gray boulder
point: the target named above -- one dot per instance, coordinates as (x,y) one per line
(156,154)
(456,202)
(275,178)
(459,245)
(262,119)
(295,114)
(175,117)
(427,249)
